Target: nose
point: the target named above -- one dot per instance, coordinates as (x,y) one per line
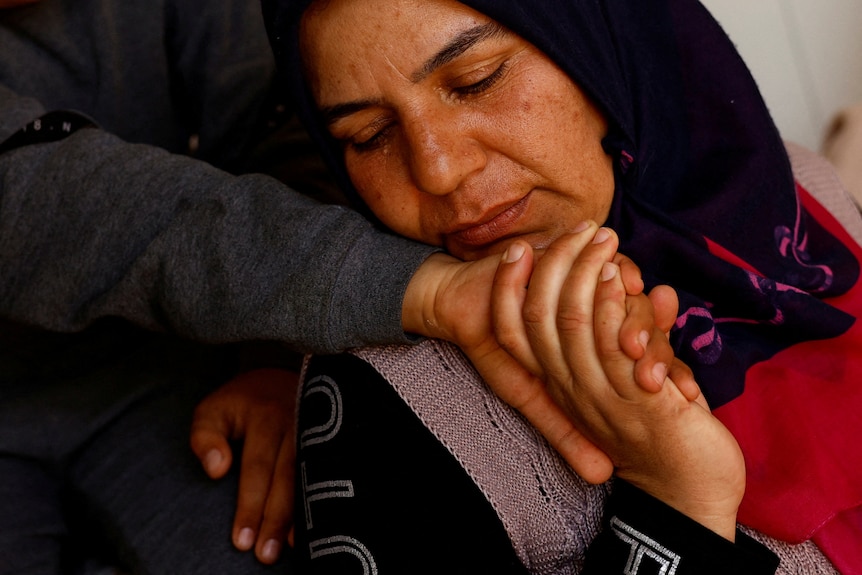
(442,153)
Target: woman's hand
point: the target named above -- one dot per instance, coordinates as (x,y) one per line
(450,299)
(574,315)
(259,408)
(642,335)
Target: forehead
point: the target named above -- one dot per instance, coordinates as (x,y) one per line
(344,40)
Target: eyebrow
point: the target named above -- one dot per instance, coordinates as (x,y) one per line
(331,114)
(457,46)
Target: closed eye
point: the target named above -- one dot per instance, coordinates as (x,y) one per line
(372,136)
(484,84)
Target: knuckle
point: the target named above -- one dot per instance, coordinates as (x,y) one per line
(536,311)
(507,340)
(574,316)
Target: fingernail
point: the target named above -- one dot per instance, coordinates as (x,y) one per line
(271,549)
(213,460)
(643,338)
(659,372)
(609,271)
(245,539)
(514,253)
(581,227)
(602,235)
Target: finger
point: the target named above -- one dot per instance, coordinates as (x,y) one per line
(636,330)
(260,452)
(666,305)
(610,315)
(651,370)
(278,513)
(210,432)
(584,457)
(548,300)
(528,394)
(684,379)
(508,294)
(576,315)
(631,274)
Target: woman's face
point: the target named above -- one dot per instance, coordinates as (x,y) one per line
(456,132)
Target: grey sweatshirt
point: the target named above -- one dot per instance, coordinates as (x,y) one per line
(118,221)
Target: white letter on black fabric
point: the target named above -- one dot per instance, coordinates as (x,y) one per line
(333,545)
(325,432)
(644,547)
(322,490)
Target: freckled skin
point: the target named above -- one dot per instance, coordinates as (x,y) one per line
(445,159)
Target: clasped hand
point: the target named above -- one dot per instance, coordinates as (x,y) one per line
(577,327)
(569,339)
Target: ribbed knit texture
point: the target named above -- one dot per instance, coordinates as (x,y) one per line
(550,514)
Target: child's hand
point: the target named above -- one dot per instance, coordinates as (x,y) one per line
(644,332)
(642,336)
(667,445)
(259,408)
(450,299)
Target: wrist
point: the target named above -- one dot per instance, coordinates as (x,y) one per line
(633,518)
(419,308)
(723,524)
(714,512)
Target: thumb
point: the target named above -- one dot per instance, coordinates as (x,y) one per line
(526,393)
(585,457)
(508,294)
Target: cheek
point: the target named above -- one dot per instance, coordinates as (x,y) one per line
(386,192)
(532,126)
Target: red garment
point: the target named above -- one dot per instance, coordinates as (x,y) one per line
(796,423)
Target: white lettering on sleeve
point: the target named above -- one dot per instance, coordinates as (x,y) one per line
(644,547)
(333,545)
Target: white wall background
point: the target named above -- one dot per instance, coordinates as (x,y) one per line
(806,56)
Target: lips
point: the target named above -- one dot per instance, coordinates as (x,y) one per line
(493,229)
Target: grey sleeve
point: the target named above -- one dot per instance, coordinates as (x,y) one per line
(92,226)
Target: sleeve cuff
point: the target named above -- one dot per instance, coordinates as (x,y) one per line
(643,535)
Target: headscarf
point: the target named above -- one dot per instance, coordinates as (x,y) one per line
(705,201)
